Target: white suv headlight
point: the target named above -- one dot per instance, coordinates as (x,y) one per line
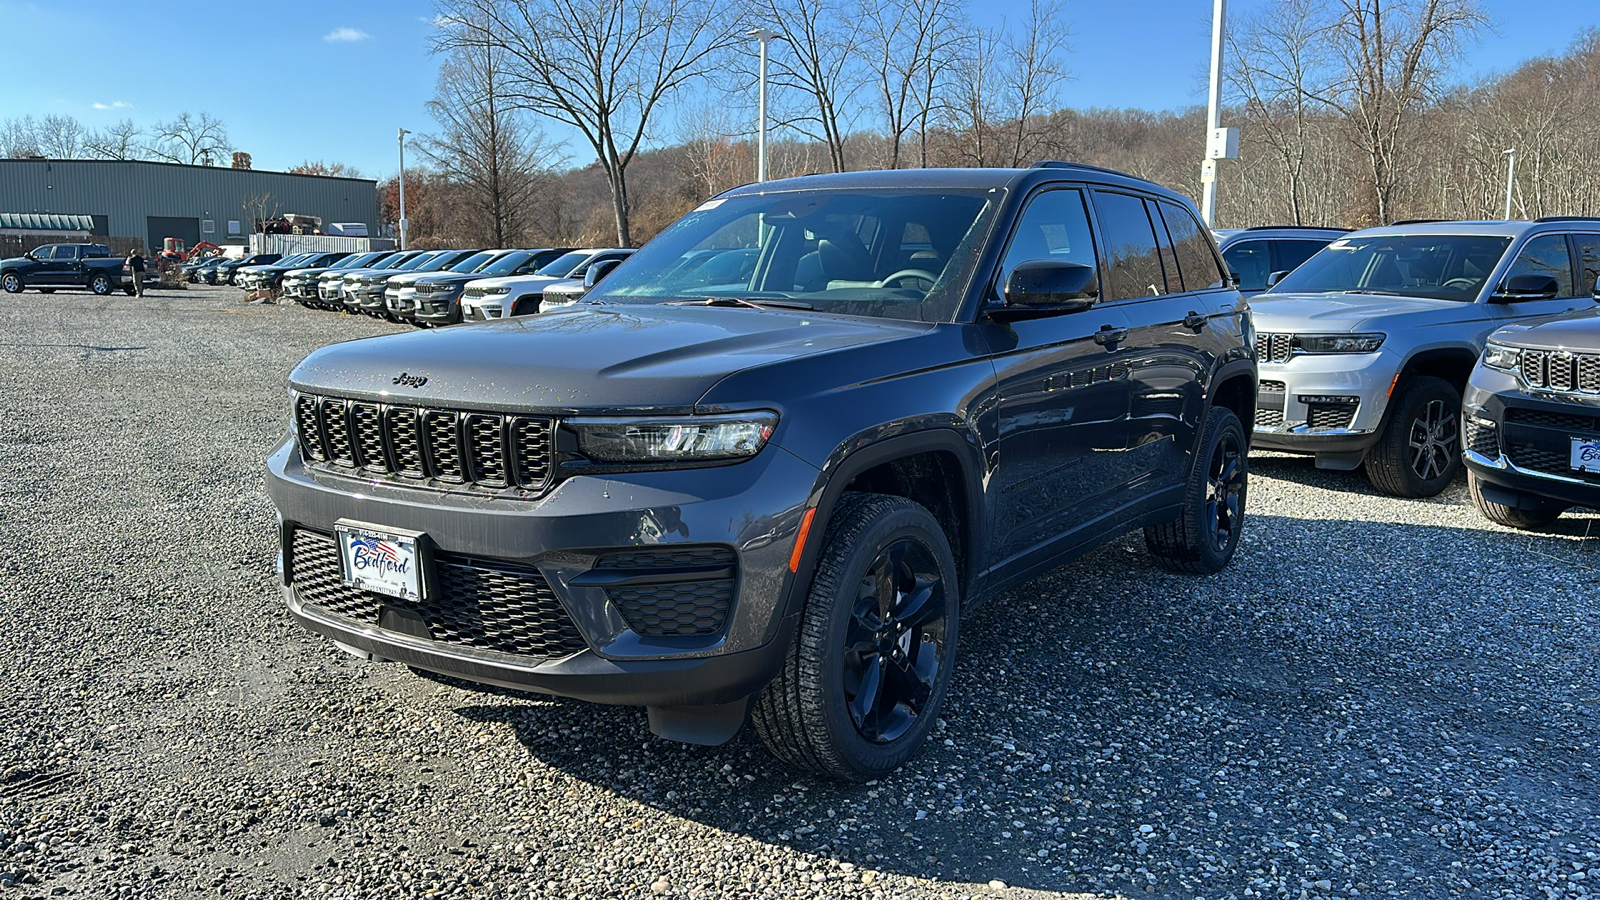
(1338,343)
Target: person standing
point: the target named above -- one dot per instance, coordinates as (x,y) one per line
(136,266)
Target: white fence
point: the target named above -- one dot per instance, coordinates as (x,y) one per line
(287,244)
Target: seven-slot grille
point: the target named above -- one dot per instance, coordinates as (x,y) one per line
(1273,348)
(475,603)
(480,450)
(1559,370)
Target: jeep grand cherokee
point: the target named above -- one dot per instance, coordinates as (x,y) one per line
(776,496)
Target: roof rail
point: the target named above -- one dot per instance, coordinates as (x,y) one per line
(1416,221)
(1292,227)
(1059,164)
(1568,219)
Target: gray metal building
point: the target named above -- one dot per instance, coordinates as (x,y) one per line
(149,201)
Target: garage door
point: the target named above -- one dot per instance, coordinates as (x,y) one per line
(187,230)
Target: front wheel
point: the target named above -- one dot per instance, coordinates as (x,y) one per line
(869,665)
(1528,514)
(100,285)
(1203,539)
(1420,448)
(11,283)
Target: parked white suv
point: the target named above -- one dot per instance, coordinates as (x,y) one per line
(1365,349)
(520,295)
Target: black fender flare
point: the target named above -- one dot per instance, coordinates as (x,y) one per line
(873,448)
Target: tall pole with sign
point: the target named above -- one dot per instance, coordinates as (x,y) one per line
(1221,143)
(402,224)
(762,36)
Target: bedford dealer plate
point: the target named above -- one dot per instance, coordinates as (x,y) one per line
(1586,454)
(386,562)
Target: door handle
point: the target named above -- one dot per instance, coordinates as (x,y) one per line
(1109,337)
(1195,321)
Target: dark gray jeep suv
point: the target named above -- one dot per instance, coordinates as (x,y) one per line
(774,495)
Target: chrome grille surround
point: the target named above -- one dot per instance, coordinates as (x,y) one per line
(426,446)
(1560,370)
(1273,347)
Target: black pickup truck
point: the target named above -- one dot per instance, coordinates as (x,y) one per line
(65,266)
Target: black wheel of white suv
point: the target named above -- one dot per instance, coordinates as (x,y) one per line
(1419,451)
(1529,513)
(869,665)
(1204,538)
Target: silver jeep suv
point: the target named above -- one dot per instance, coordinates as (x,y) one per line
(1366,347)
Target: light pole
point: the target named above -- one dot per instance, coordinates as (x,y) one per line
(763,36)
(403,223)
(1208,168)
(1511,174)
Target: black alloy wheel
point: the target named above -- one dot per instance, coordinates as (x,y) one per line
(1433,440)
(1205,535)
(1225,485)
(1418,452)
(895,642)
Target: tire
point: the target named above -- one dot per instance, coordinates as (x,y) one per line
(859,691)
(1203,539)
(100,285)
(1539,514)
(1419,451)
(11,283)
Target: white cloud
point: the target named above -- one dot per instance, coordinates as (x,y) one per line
(115,104)
(345,36)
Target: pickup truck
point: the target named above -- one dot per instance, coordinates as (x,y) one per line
(54,266)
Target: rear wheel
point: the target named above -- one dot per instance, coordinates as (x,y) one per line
(1204,538)
(11,283)
(1529,513)
(100,284)
(1419,451)
(869,665)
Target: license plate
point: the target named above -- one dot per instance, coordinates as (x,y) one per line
(1586,454)
(382,561)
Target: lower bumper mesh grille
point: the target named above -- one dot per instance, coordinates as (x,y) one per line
(477,604)
(679,604)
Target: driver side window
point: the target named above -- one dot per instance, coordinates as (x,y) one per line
(45,253)
(1546,255)
(1055,226)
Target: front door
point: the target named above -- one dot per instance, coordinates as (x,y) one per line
(54,262)
(1545,254)
(1063,396)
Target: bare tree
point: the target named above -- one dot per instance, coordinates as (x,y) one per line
(19,138)
(484,145)
(1030,80)
(602,67)
(911,48)
(257,209)
(61,137)
(190,139)
(714,159)
(119,141)
(333,170)
(1392,58)
(817,53)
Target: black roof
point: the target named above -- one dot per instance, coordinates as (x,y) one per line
(1048,170)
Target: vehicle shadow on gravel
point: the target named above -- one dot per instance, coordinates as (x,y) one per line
(1116,728)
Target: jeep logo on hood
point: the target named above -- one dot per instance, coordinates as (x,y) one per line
(406,379)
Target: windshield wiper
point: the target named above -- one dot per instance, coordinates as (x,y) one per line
(750,302)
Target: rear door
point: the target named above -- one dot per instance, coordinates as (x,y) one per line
(1063,394)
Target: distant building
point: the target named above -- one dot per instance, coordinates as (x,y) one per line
(144,202)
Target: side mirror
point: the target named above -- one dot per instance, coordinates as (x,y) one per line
(1041,287)
(1275,277)
(597,271)
(1595,291)
(1527,287)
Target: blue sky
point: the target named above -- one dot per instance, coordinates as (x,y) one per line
(332,80)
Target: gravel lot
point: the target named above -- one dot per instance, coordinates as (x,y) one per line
(1379,698)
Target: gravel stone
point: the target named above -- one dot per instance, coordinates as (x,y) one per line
(1380,697)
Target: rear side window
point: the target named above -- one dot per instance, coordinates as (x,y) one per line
(1546,255)
(1134,262)
(1196,261)
(1288,255)
(1055,226)
(1251,261)
(66,252)
(1588,260)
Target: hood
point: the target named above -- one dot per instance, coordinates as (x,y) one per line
(409,278)
(1341,312)
(590,358)
(450,278)
(1578,332)
(517,281)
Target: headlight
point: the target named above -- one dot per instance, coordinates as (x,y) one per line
(673,438)
(1338,343)
(496,291)
(1499,356)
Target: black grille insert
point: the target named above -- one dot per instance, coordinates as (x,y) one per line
(1481,439)
(1330,415)
(664,597)
(485,451)
(484,605)
(1564,421)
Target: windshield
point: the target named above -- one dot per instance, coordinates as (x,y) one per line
(396,261)
(1434,266)
(355,262)
(507,264)
(417,262)
(562,266)
(473,262)
(892,253)
(292,260)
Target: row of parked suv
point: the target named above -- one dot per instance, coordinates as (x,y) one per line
(435,287)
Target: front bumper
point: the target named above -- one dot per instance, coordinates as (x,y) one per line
(482,310)
(754,508)
(367,296)
(399,301)
(1519,442)
(1330,405)
(436,309)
